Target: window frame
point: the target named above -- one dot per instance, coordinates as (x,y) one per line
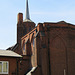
(24,47)
(7,67)
(33,42)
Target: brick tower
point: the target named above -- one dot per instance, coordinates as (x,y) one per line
(23,27)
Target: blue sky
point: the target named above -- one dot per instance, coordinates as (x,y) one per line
(40,11)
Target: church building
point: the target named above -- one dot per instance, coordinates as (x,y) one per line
(45,49)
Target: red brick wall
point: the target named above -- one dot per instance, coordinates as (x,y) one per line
(12,64)
(25,65)
(54,52)
(22,29)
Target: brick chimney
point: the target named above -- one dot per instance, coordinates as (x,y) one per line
(20,18)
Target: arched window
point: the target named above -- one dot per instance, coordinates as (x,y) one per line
(33,43)
(24,46)
(33,46)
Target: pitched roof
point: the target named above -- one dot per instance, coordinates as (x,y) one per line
(9,53)
(62,22)
(12,48)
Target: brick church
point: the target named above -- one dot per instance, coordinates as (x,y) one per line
(46,49)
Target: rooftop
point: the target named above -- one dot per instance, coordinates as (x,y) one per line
(9,53)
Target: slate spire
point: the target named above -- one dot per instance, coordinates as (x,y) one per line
(27,16)
(27,11)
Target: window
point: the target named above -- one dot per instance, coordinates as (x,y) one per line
(33,46)
(24,47)
(33,43)
(3,67)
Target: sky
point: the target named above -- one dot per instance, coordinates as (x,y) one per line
(40,11)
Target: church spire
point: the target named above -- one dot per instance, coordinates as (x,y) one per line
(27,11)
(27,16)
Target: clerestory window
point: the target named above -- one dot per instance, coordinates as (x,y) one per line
(24,47)
(33,43)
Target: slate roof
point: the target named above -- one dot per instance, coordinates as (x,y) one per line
(12,48)
(9,53)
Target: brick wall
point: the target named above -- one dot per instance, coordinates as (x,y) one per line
(13,69)
(54,48)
